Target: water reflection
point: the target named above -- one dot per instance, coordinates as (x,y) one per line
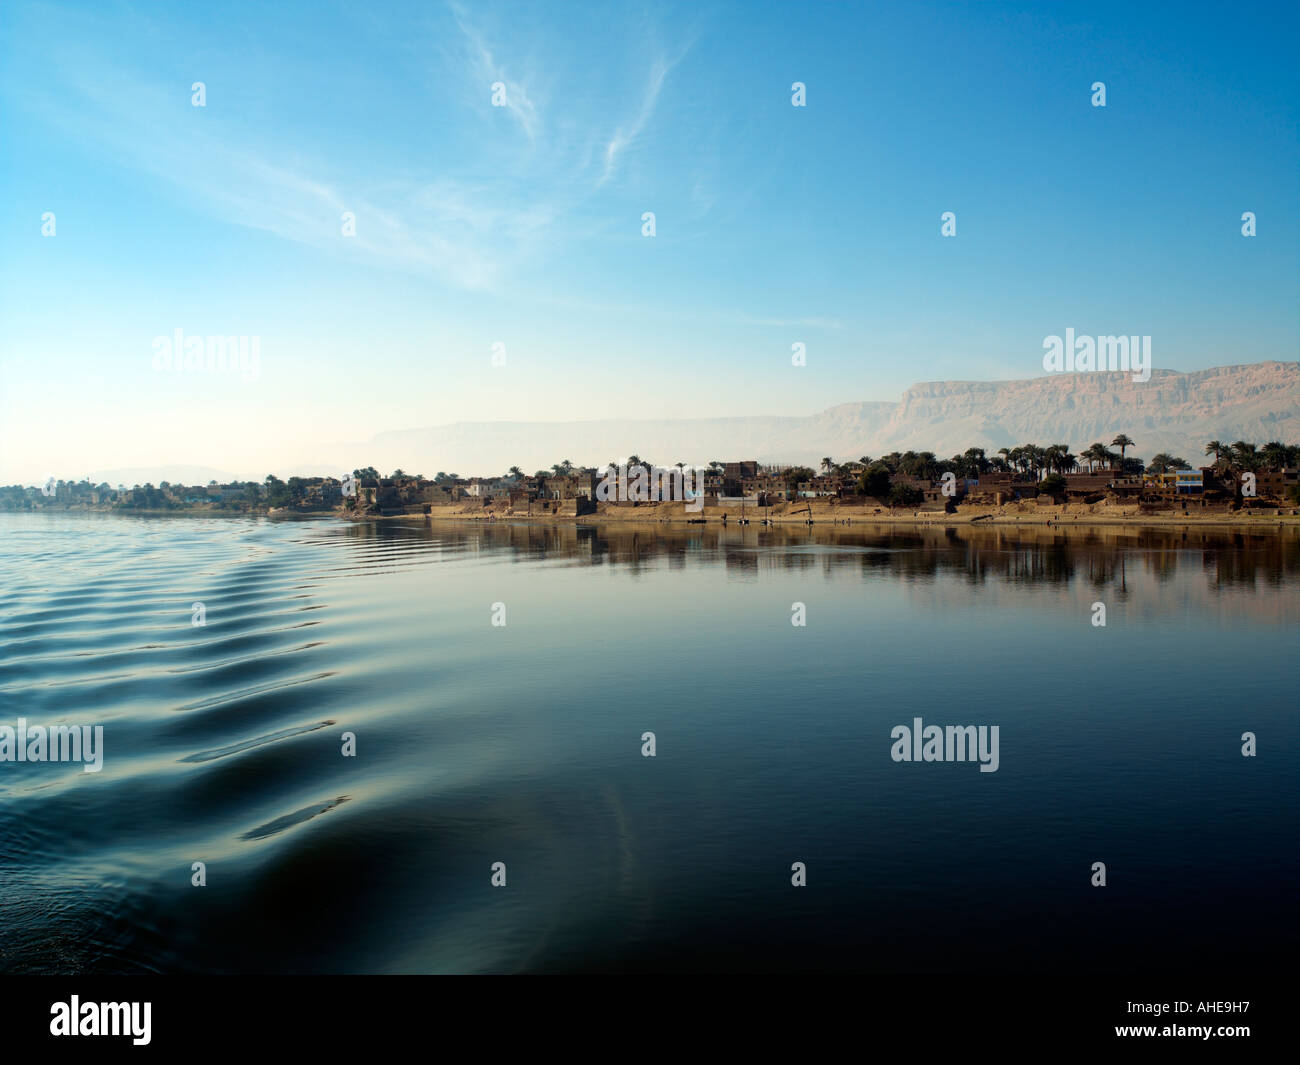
(1103,557)
(523,743)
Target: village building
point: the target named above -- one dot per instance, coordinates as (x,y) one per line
(1277,484)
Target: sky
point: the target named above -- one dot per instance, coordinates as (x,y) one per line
(518,229)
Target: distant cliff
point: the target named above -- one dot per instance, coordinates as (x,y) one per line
(1173,412)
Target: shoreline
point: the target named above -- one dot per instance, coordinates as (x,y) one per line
(674,514)
(1007,516)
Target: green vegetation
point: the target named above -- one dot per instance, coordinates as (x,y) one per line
(1164,463)
(874,481)
(905,495)
(1053,485)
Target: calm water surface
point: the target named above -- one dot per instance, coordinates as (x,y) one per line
(522,744)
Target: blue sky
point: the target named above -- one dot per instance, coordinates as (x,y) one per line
(521,224)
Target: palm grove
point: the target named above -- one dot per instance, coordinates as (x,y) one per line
(872,477)
(1048,465)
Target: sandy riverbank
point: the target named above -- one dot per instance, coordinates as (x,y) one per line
(833,512)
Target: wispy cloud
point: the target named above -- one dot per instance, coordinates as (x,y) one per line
(517,100)
(627,135)
(472,222)
(433,228)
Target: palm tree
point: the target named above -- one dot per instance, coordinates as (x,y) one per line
(1121,441)
(1244,455)
(1036,456)
(515,472)
(1166,463)
(976,460)
(1216,448)
(1273,455)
